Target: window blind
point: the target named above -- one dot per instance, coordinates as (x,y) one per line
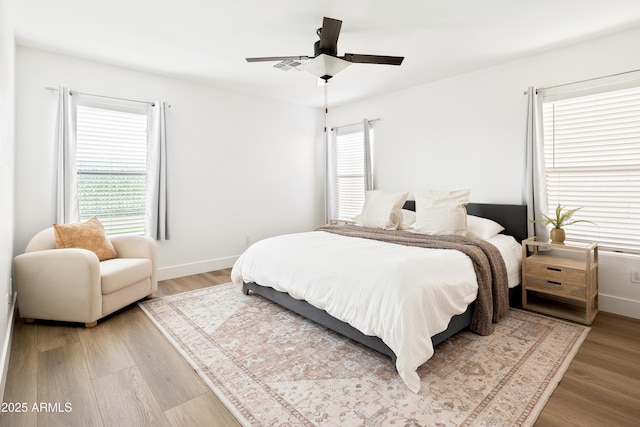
(592,160)
(349,171)
(111,161)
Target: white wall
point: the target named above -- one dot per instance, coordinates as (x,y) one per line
(6,185)
(468,131)
(238,165)
(257,165)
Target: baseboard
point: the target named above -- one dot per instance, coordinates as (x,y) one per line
(617,305)
(166,273)
(6,347)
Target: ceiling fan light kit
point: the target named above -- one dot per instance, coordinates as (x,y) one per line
(325,66)
(326,63)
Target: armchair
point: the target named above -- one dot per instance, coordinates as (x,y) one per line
(72,285)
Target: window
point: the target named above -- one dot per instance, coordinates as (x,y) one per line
(349,170)
(592,160)
(111,161)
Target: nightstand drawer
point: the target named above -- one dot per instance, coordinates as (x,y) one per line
(556,273)
(556,287)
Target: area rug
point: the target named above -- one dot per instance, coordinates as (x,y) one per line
(271,367)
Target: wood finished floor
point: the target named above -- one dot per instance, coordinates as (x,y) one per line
(125,373)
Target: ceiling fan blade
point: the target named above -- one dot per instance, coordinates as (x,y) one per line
(329,34)
(373,59)
(278,58)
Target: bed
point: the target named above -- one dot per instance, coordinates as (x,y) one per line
(511,217)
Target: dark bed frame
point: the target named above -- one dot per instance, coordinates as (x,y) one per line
(512,217)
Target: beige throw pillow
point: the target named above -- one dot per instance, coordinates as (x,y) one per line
(89,235)
(382,210)
(441,212)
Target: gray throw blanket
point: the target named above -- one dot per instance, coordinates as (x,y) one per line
(492,302)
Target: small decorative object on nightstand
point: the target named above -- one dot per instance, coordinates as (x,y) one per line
(562,281)
(561,219)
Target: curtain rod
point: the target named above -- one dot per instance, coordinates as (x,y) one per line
(351,124)
(526,92)
(73,92)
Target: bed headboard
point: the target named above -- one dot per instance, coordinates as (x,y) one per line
(512,217)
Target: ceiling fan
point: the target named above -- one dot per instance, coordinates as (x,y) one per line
(326,63)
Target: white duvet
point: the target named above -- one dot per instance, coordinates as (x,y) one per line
(404,295)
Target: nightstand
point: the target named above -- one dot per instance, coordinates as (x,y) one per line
(561,280)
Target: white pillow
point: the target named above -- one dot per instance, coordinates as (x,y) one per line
(408,220)
(482,228)
(381,210)
(441,212)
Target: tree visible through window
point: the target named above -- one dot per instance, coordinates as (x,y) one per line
(111,161)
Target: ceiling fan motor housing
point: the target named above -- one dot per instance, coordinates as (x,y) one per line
(317,50)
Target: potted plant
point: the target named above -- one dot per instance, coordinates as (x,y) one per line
(562,219)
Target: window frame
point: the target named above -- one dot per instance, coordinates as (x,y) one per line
(113,226)
(615,212)
(351,168)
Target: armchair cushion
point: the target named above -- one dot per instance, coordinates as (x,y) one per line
(89,235)
(118,273)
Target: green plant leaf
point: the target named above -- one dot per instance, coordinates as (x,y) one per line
(562,217)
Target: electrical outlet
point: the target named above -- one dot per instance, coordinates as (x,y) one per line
(247,240)
(635,276)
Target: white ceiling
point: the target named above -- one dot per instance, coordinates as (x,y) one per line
(207,40)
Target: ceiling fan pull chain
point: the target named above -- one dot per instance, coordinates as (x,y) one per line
(326,109)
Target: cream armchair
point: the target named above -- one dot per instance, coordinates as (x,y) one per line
(72,285)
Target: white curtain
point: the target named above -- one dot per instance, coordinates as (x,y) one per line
(368,157)
(156,206)
(536,191)
(67,210)
(330,203)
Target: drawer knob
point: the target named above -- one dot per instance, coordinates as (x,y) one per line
(554,269)
(553,283)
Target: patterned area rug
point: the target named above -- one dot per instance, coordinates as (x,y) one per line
(270,366)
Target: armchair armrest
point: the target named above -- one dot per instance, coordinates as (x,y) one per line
(59,284)
(138,247)
(134,246)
